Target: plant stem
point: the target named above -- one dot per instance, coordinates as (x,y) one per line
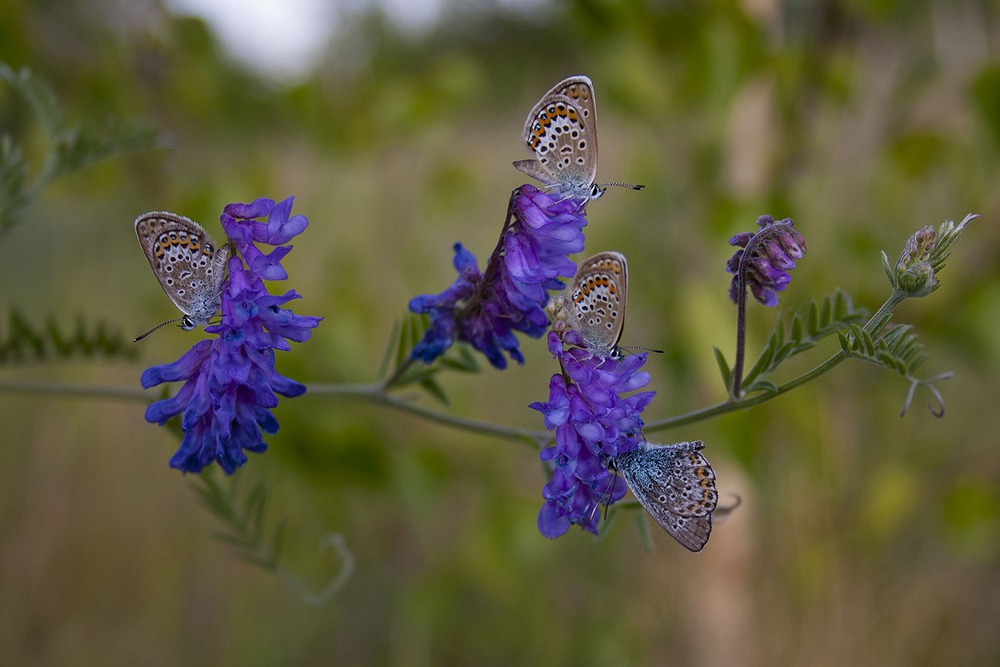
(376,394)
(75,390)
(874,326)
(741,331)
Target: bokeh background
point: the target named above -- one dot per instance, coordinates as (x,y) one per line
(862,538)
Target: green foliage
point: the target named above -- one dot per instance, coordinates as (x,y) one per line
(72,145)
(23,342)
(407,371)
(897,350)
(245,529)
(243,518)
(811,324)
(13,174)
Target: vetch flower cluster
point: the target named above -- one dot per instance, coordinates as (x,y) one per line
(486,308)
(765,258)
(230,382)
(916,271)
(594,423)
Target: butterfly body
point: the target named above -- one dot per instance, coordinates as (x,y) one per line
(599,294)
(186,263)
(675,484)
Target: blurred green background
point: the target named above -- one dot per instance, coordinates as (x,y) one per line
(862,538)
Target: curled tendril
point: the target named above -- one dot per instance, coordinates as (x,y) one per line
(929,383)
(721,513)
(333,541)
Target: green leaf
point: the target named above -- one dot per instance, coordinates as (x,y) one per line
(391,346)
(812,313)
(762,386)
(890,273)
(23,342)
(813,322)
(13,174)
(724,369)
(798,329)
(79,148)
(431,386)
(642,526)
(39,95)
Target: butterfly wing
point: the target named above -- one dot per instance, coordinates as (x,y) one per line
(600,291)
(561,130)
(675,484)
(185,262)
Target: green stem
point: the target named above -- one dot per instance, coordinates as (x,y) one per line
(874,326)
(75,390)
(376,394)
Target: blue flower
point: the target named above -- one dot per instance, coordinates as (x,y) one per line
(765,259)
(486,308)
(593,424)
(230,383)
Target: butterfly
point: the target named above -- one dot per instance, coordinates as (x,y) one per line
(561,130)
(186,263)
(599,294)
(675,484)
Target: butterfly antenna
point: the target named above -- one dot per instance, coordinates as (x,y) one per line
(611,494)
(636,348)
(630,186)
(161,324)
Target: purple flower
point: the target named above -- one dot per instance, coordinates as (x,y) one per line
(765,259)
(486,308)
(229,381)
(593,424)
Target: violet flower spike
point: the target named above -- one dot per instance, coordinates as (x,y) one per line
(486,309)
(593,423)
(762,264)
(772,253)
(230,383)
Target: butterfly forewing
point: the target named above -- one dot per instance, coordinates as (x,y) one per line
(599,297)
(561,130)
(185,262)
